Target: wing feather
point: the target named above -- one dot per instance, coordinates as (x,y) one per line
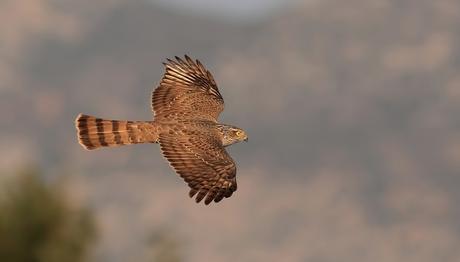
(201,160)
(187,91)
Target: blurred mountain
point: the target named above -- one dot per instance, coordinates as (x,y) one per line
(352,109)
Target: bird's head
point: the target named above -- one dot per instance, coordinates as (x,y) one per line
(232,135)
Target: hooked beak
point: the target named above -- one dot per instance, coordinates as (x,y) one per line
(245,139)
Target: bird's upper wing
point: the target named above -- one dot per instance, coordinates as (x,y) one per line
(187,91)
(201,160)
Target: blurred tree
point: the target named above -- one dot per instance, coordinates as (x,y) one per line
(38,224)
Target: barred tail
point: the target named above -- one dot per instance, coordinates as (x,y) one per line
(96,132)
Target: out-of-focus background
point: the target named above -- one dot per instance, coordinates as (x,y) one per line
(352,108)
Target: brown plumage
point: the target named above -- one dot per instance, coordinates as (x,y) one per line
(97,132)
(186,105)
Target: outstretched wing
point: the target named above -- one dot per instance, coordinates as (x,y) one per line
(187,91)
(201,160)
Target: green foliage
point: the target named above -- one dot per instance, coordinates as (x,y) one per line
(37,223)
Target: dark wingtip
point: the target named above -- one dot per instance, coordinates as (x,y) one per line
(169,62)
(189,60)
(192,193)
(200,196)
(219,196)
(179,60)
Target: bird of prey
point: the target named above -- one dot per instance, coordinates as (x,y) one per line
(186,105)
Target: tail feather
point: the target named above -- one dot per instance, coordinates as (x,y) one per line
(96,132)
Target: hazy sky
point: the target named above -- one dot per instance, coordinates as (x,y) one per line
(237,10)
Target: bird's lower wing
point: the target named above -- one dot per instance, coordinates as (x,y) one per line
(203,163)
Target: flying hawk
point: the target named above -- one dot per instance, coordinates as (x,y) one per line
(186,105)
